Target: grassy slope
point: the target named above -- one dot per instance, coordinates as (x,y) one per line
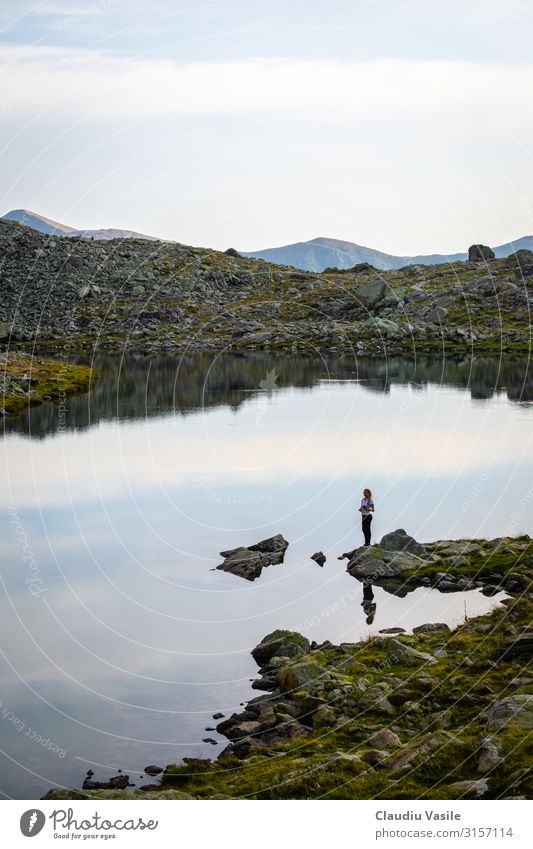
(29,380)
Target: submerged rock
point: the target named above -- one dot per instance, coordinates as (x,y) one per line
(248,563)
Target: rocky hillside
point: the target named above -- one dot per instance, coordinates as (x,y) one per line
(78,293)
(436,714)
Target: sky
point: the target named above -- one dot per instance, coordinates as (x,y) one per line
(406,127)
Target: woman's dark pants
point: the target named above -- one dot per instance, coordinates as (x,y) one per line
(367,521)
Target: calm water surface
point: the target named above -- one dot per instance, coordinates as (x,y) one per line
(118,641)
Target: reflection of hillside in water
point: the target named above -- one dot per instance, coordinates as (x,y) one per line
(137,386)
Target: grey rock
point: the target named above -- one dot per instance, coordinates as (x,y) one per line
(402,653)
(432,628)
(400,540)
(152,769)
(480,253)
(384,739)
(371,293)
(279,643)
(319,557)
(437,315)
(249,562)
(511,712)
(473,788)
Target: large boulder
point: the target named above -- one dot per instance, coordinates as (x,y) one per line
(249,562)
(511,712)
(377,563)
(302,675)
(400,540)
(371,293)
(273,545)
(279,643)
(480,253)
(523,259)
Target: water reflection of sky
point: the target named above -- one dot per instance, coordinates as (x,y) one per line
(134,638)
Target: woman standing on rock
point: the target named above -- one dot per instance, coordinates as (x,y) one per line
(366,509)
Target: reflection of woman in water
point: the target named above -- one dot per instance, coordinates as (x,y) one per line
(366,509)
(368,604)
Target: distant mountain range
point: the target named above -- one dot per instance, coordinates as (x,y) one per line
(54,228)
(318,254)
(315,255)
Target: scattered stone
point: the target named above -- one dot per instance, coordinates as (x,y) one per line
(152,769)
(395,630)
(384,739)
(218,716)
(511,712)
(319,557)
(432,628)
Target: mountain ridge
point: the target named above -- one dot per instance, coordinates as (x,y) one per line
(322,252)
(54,228)
(315,255)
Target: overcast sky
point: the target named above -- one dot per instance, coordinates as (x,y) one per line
(406,127)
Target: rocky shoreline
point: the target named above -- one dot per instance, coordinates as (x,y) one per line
(133,294)
(26,381)
(438,714)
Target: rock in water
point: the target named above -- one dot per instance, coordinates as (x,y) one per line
(376,563)
(249,562)
(153,769)
(480,253)
(319,557)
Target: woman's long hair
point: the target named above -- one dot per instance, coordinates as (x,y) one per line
(367,493)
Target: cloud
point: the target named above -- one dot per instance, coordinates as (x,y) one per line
(57,83)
